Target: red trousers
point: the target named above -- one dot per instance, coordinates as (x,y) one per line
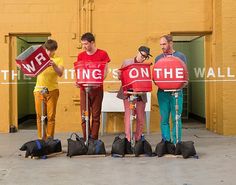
(95,97)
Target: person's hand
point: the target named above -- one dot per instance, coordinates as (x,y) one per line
(118,74)
(52,63)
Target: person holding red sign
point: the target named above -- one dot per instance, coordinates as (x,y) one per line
(142,55)
(48,79)
(92,54)
(166,100)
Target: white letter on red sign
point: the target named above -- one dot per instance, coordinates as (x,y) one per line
(86,74)
(179,73)
(170,73)
(29,67)
(96,73)
(40,58)
(135,75)
(144,72)
(157,70)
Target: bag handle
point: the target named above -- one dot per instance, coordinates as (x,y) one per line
(76,136)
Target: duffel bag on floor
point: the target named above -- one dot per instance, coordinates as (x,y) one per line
(96,147)
(187,149)
(118,146)
(76,147)
(34,148)
(53,146)
(142,146)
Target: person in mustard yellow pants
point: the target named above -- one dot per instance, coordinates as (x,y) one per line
(48,78)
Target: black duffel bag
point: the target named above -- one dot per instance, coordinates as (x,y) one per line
(96,147)
(187,149)
(53,146)
(142,146)
(161,149)
(170,148)
(34,148)
(118,147)
(76,147)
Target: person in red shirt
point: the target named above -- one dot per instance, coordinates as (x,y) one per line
(95,96)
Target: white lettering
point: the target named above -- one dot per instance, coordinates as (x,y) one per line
(199,72)
(157,70)
(40,58)
(133,75)
(228,73)
(144,72)
(85,74)
(96,73)
(219,73)
(179,73)
(28,67)
(168,73)
(211,73)
(115,73)
(4,74)
(72,73)
(13,74)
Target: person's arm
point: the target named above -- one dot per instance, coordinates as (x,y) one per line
(58,69)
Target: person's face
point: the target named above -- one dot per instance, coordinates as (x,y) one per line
(165,45)
(87,46)
(141,56)
(50,53)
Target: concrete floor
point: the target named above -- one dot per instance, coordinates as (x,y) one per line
(216,164)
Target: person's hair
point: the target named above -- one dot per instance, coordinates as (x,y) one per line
(88,37)
(50,45)
(168,37)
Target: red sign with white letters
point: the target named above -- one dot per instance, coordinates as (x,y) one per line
(33,61)
(170,73)
(136,77)
(89,73)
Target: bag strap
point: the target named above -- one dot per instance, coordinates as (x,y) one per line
(38,144)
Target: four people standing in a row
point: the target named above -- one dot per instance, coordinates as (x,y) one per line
(166,101)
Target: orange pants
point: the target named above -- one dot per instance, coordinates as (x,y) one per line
(50,104)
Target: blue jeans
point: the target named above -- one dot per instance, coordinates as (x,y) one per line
(167,104)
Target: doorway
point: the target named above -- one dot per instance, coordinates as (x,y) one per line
(25,85)
(194,113)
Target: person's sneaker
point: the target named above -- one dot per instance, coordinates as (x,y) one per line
(128,147)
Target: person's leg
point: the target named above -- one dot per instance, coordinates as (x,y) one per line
(164,105)
(51,101)
(173,116)
(38,106)
(96,104)
(127,119)
(83,110)
(140,119)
